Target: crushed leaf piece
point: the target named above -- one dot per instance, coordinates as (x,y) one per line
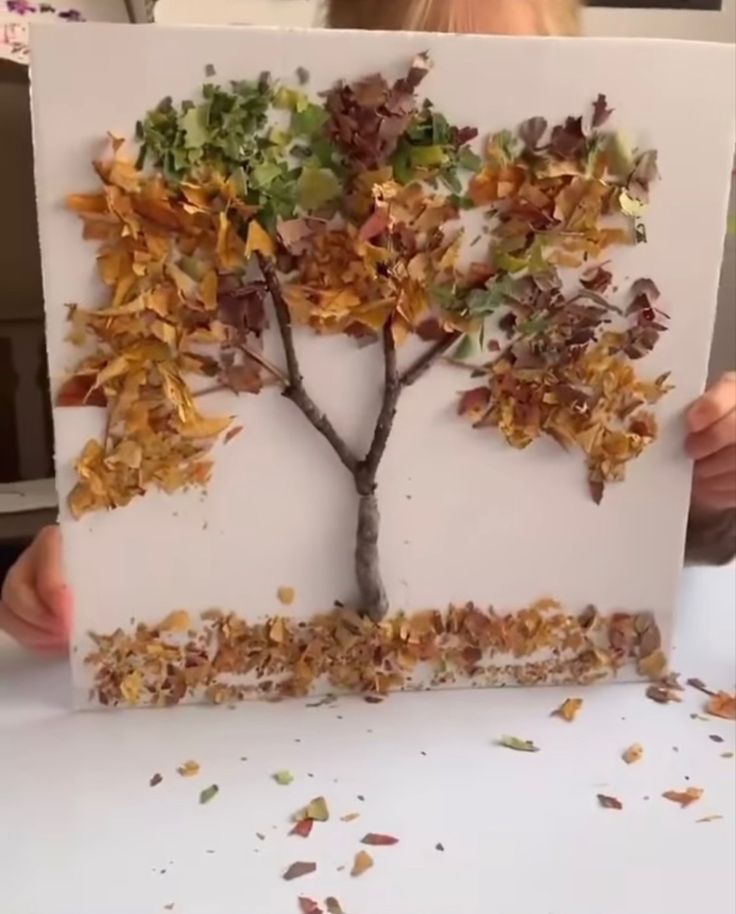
(722,704)
(209,793)
(700,686)
(284,778)
(308,906)
(297,870)
(286,595)
(708,819)
(633,754)
(350,817)
(569,709)
(685,798)
(333,906)
(303,828)
(518,745)
(363,862)
(373,840)
(440,847)
(609,802)
(189,769)
(156,780)
(317,811)
(714,737)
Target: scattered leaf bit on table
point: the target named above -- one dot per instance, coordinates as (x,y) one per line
(518,745)
(727,755)
(333,906)
(350,817)
(156,780)
(609,802)
(284,778)
(569,709)
(373,840)
(316,811)
(633,754)
(232,433)
(308,906)
(722,704)
(169,907)
(297,870)
(714,737)
(685,798)
(708,819)
(286,595)
(303,828)
(363,861)
(700,717)
(662,694)
(209,793)
(148,666)
(700,686)
(189,769)
(440,847)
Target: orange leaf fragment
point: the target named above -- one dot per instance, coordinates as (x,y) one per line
(684,797)
(303,828)
(722,705)
(189,769)
(633,754)
(233,433)
(178,621)
(569,709)
(363,862)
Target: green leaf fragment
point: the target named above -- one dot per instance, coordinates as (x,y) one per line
(469,160)
(428,156)
(210,71)
(209,793)
(288,99)
(316,187)
(284,778)
(308,120)
(518,745)
(467,348)
(194,125)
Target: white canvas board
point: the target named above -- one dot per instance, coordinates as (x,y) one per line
(465,517)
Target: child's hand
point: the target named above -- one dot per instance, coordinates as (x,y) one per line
(36,604)
(712,444)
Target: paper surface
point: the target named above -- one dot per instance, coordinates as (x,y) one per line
(465,517)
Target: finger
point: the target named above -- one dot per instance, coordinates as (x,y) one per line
(22,600)
(49,575)
(722,463)
(28,635)
(713,405)
(720,435)
(715,494)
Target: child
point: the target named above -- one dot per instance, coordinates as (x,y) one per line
(36,605)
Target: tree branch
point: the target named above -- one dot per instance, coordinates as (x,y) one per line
(368,469)
(295,389)
(428,358)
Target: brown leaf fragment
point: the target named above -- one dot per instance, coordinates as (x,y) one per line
(373,840)
(715,738)
(440,847)
(474,402)
(722,704)
(569,709)
(685,798)
(363,862)
(333,906)
(708,819)
(662,695)
(700,686)
(601,111)
(156,780)
(609,802)
(297,870)
(233,433)
(169,907)
(633,754)
(350,817)
(727,755)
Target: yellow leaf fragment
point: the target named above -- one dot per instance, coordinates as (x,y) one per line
(286,595)
(569,709)
(633,754)
(178,621)
(189,769)
(362,863)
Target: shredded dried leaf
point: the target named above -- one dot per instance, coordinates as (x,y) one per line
(569,709)
(363,862)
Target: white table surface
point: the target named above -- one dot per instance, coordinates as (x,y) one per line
(82,832)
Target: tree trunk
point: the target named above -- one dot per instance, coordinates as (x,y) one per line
(373,599)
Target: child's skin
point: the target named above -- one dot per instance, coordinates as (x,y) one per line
(36,605)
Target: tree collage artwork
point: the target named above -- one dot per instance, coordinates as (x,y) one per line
(259,210)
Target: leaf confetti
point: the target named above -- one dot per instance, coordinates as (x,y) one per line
(374,840)
(684,798)
(208,794)
(569,709)
(518,745)
(609,802)
(362,863)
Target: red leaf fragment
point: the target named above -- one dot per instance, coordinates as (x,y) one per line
(431,331)
(308,906)
(303,828)
(473,401)
(78,391)
(609,802)
(234,432)
(373,840)
(297,870)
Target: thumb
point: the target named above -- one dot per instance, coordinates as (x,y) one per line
(703,413)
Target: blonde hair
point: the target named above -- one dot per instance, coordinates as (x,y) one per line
(552,17)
